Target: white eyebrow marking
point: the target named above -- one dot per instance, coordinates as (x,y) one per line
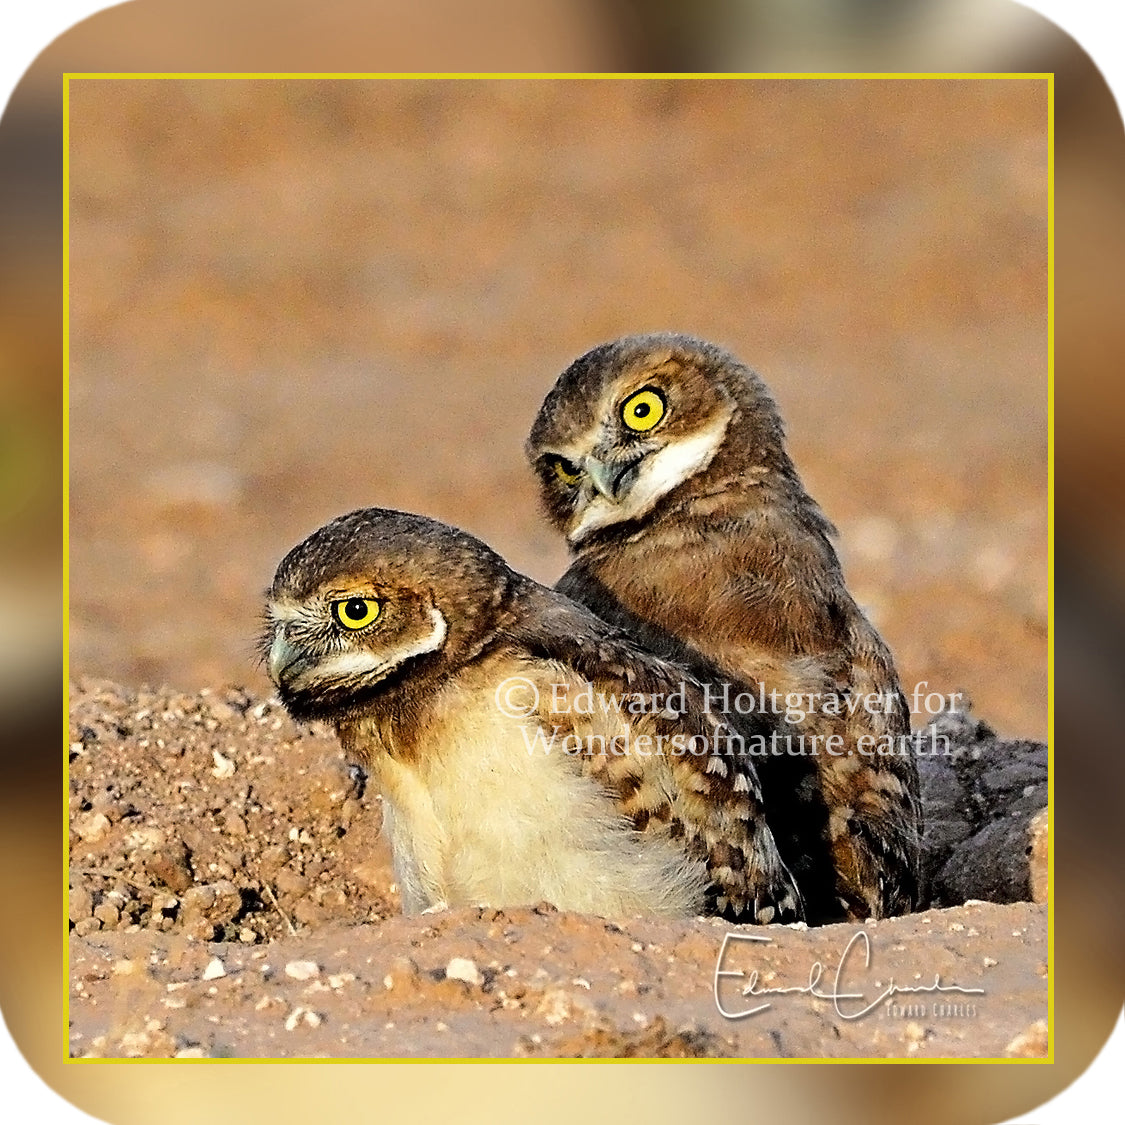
(430,643)
(288,611)
(659,473)
(345,665)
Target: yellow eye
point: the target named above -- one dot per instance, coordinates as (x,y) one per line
(643,410)
(566,471)
(355,613)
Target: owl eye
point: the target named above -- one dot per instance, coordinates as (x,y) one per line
(567,471)
(355,613)
(643,410)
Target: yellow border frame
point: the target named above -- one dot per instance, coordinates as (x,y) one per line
(688,76)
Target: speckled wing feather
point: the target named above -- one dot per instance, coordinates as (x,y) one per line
(848,826)
(710,799)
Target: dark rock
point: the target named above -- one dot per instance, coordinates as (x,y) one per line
(980,796)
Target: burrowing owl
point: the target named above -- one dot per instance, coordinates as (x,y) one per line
(524,749)
(662,460)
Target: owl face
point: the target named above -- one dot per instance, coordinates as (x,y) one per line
(369,596)
(629,422)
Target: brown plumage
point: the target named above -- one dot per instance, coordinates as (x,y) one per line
(411,637)
(662,460)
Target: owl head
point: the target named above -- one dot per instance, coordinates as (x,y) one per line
(371,599)
(635,422)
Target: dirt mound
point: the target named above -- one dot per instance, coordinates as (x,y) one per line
(230,896)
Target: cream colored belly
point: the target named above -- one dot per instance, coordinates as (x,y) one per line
(483,821)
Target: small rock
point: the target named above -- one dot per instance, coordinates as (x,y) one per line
(214,970)
(108,915)
(91,827)
(302,970)
(81,904)
(224,712)
(308,912)
(461,968)
(170,866)
(302,1015)
(224,767)
(289,882)
(144,839)
(216,902)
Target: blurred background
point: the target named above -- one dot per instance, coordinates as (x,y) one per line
(289,299)
(294,298)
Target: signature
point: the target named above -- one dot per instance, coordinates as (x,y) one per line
(820,986)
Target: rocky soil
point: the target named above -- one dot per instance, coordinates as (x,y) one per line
(231,897)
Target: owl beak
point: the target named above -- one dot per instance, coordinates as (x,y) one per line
(282,656)
(607,478)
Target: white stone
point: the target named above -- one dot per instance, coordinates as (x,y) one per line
(461,968)
(302,970)
(214,970)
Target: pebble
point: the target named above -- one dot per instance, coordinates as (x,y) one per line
(108,915)
(81,903)
(302,1015)
(214,970)
(289,882)
(302,970)
(224,767)
(144,839)
(461,968)
(91,827)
